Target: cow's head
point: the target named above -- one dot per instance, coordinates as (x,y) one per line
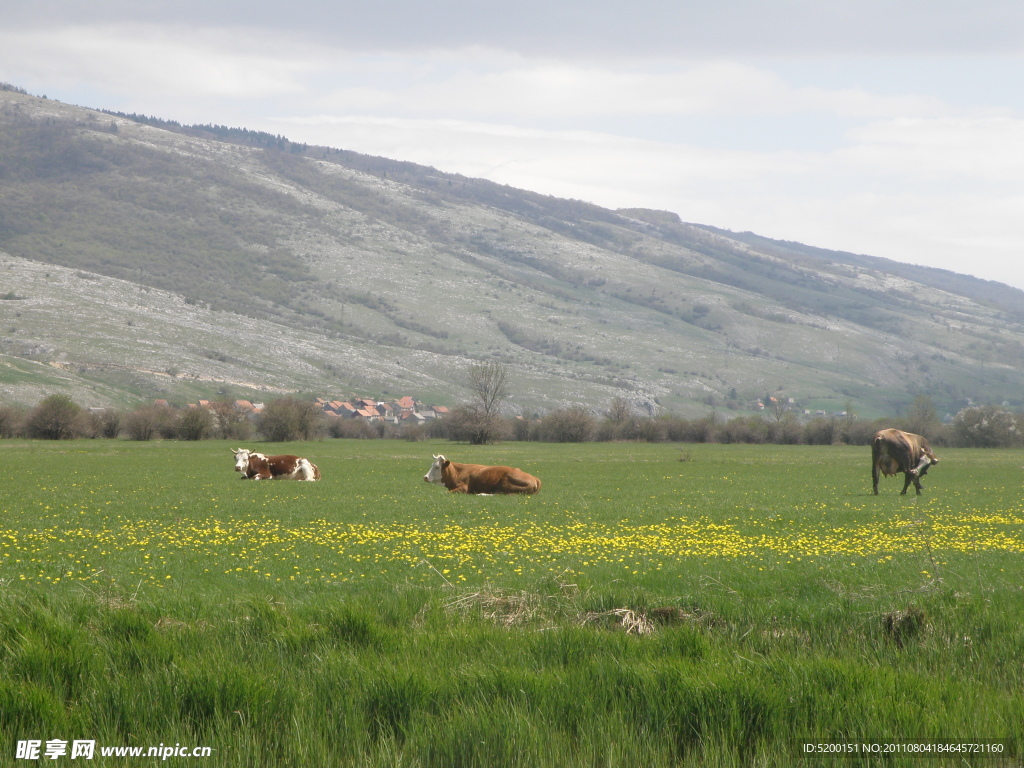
(241,459)
(922,466)
(436,472)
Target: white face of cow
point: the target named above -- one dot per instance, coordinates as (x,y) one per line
(435,475)
(241,459)
(922,466)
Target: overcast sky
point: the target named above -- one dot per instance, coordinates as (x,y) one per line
(888,127)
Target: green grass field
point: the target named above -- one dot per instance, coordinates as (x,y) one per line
(653,605)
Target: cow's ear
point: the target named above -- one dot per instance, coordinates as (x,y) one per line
(446,463)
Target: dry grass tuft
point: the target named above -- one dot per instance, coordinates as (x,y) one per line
(630,621)
(901,626)
(517,609)
(509,610)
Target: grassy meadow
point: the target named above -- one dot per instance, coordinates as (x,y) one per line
(653,605)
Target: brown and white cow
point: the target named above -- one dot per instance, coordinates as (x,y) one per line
(893,451)
(256,466)
(480,479)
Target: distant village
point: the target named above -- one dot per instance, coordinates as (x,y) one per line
(404,410)
(407,410)
(401,412)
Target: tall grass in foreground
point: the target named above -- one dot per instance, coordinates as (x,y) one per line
(605,649)
(480,680)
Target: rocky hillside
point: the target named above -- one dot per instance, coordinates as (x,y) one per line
(140,258)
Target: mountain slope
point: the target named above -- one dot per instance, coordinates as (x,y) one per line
(280,267)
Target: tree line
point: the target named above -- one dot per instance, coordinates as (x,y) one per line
(58,417)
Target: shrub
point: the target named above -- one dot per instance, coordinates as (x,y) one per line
(287,419)
(229,423)
(414,433)
(744,430)
(473,425)
(149,421)
(987,426)
(787,431)
(821,431)
(53,419)
(110,420)
(88,424)
(702,430)
(12,420)
(569,425)
(356,429)
(651,430)
(195,424)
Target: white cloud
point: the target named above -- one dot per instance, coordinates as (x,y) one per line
(484,83)
(597,28)
(972,151)
(175,62)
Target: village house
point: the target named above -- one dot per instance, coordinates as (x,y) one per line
(402,411)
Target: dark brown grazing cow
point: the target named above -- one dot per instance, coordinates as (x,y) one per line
(256,466)
(894,451)
(480,479)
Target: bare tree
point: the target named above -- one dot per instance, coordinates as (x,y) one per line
(479,422)
(922,418)
(619,410)
(488,382)
(777,406)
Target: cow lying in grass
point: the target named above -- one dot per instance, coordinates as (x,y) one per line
(480,479)
(256,466)
(894,451)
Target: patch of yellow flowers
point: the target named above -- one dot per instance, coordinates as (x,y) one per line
(153,550)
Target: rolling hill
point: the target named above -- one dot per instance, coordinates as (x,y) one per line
(140,258)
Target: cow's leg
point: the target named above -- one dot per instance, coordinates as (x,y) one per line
(906,483)
(875,457)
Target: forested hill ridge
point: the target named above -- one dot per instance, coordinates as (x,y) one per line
(140,258)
